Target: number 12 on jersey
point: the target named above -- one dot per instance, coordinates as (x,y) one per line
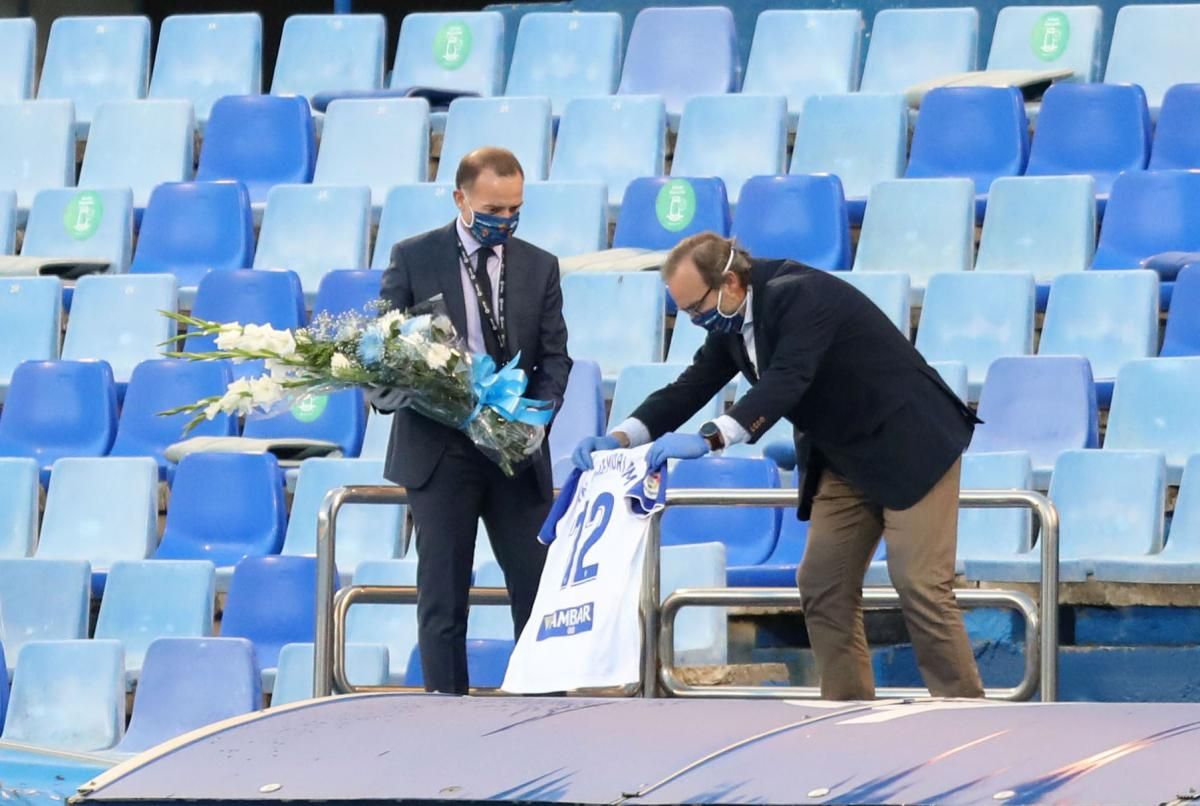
(592,521)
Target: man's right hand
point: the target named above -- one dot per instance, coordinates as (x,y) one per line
(386,398)
(582,457)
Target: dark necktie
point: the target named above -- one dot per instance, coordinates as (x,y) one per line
(485,285)
(749,371)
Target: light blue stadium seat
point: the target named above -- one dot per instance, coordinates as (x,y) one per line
(43,600)
(1177,135)
(658,212)
(139,145)
(151,599)
(861,138)
(30,323)
(346,290)
(802,218)
(1106,317)
(90,60)
(890,291)
(394,626)
(581,414)
(8,221)
(565,218)
(313,230)
(189,683)
(37,148)
(1048,38)
(120,320)
(68,696)
(260,141)
(733,137)
(977,317)
(911,46)
(700,633)
(56,409)
(1182,334)
(591,298)
(454,52)
(804,53)
(1151,47)
(779,569)
(366,665)
(329,53)
(985,534)
(1154,408)
(203,57)
(954,373)
(271,603)
(487,662)
(19,504)
(1040,404)
(749,534)
(636,381)
(84,224)
(566,56)
(410,210)
(489,621)
(686,339)
(778,441)
(919,226)
(377,435)
(338,417)
(610,140)
(249,522)
(522,125)
(18,50)
(379,143)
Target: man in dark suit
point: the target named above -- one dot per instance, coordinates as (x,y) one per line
(503,297)
(883,439)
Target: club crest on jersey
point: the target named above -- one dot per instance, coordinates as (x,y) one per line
(650,484)
(568,621)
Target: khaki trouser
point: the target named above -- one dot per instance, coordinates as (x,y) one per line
(845,529)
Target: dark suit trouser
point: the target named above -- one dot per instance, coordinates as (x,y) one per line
(466,486)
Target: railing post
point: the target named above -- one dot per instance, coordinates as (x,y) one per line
(1048,517)
(326,585)
(651,580)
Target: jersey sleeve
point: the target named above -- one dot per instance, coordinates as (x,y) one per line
(560,507)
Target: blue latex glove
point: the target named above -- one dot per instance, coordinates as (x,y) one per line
(582,455)
(675,446)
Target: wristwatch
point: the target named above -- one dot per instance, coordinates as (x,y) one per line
(712,435)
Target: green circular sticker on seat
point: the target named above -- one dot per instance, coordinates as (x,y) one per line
(83,215)
(310,408)
(452,45)
(1050,35)
(675,205)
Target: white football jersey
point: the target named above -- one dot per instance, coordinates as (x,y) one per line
(584,631)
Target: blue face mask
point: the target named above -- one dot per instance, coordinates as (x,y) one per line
(716,322)
(491,230)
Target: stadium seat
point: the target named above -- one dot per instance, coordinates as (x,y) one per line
(1154,408)
(804,53)
(658,212)
(686,339)
(410,210)
(188,683)
(271,603)
(259,141)
(250,521)
(749,533)
(1106,317)
(802,218)
(954,373)
(860,138)
(522,125)
(43,600)
(1151,47)
(610,140)
(984,533)
(977,317)
(378,434)
(487,662)
(779,569)
(733,137)
(1182,334)
(56,409)
(366,665)
(910,46)
(151,599)
(330,53)
(1048,38)
(1040,404)
(452,53)
(68,696)
(565,218)
(338,417)
(377,143)
(581,414)
(19,503)
(636,381)
(919,226)
(37,148)
(8,221)
(203,57)
(566,56)
(90,60)
(394,626)
(595,297)
(87,225)
(18,50)
(139,145)
(1177,135)
(890,291)
(313,230)
(652,56)
(30,323)
(700,633)
(347,290)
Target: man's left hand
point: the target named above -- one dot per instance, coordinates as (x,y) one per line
(676,446)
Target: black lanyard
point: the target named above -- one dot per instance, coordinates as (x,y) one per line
(494,317)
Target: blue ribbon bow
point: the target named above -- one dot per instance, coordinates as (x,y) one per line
(501,391)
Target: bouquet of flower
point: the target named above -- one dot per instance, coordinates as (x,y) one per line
(416,350)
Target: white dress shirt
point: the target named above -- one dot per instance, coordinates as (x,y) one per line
(475,340)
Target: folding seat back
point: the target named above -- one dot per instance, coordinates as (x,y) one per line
(270,603)
(345,290)
(18,43)
(1048,38)
(487,663)
(394,626)
(330,52)
(378,434)
(954,373)
(1182,334)
(749,534)
(911,46)
(37,147)
(410,210)
(338,417)
(701,636)
(8,221)
(455,51)
(799,217)
(313,230)
(139,145)
(260,141)
(1149,212)
(85,224)
(1042,225)
(366,665)
(19,504)
(636,381)
(1177,135)
(120,320)
(1109,503)
(260,297)
(522,125)
(658,212)
(565,218)
(591,299)
(43,600)
(890,291)
(733,137)
(582,411)
(1151,47)
(566,56)
(1184,537)
(686,339)
(30,323)
(203,57)
(995,532)
(378,143)
(1154,408)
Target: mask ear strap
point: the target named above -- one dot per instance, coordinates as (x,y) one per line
(467,204)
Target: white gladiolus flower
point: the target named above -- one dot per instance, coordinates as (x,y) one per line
(264,392)
(283,343)
(212,410)
(278,370)
(238,398)
(438,355)
(229,336)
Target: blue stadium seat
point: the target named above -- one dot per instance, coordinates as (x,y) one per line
(378,434)
(1154,408)
(1182,334)
(591,298)
(271,603)
(565,218)
(330,53)
(1151,47)
(139,145)
(566,56)
(859,138)
(379,143)
(189,683)
(1177,135)
(152,599)
(779,569)
(338,417)
(43,600)
(56,409)
(366,665)
(37,148)
(8,221)
(890,291)
(90,60)
(658,212)
(804,53)
(347,290)
(701,634)
(802,218)
(394,626)
(18,50)
(659,35)
(1106,317)
(30,323)
(749,533)
(68,696)
(733,137)
(581,415)
(686,339)
(636,381)
(487,661)
(522,125)
(313,230)
(120,320)
(977,317)
(203,57)
(954,373)
(1048,38)
(260,141)
(985,534)
(911,46)
(451,53)
(777,444)
(1040,404)
(19,502)
(410,210)
(610,140)
(250,521)
(84,224)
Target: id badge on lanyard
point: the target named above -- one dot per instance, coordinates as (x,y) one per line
(493,315)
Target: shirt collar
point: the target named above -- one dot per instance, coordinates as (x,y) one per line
(748,322)
(468,240)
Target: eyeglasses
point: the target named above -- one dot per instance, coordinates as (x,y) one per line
(694,308)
